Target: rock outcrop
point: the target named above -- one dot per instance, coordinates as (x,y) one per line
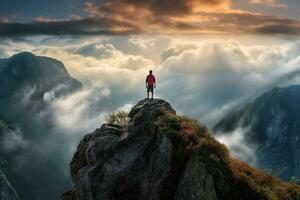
(163,156)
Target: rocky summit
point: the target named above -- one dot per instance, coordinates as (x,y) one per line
(164,156)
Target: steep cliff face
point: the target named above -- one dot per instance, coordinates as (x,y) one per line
(28,82)
(163,156)
(28,86)
(273,123)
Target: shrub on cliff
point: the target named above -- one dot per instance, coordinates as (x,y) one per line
(119,118)
(234,178)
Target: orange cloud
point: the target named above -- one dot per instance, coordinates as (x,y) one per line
(159,16)
(157,7)
(4,20)
(91,9)
(188,16)
(270,3)
(156,15)
(44,19)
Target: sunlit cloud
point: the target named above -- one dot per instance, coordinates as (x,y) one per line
(189,17)
(212,76)
(72,112)
(44,19)
(270,3)
(126,17)
(203,78)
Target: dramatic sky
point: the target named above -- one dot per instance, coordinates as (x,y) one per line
(209,56)
(150,16)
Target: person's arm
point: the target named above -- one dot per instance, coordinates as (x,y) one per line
(146,81)
(154,82)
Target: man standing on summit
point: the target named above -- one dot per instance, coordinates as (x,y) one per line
(150,84)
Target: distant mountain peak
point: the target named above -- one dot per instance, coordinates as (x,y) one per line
(23,54)
(28,70)
(273,124)
(29,85)
(23,59)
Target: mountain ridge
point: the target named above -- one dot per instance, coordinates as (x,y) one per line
(41,72)
(272,120)
(32,166)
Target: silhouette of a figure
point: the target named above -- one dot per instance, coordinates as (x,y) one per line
(150,84)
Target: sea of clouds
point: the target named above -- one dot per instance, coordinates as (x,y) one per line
(203,78)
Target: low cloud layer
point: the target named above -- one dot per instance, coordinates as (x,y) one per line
(238,146)
(218,76)
(211,76)
(13,141)
(204,78)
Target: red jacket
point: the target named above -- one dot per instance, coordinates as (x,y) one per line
(150,80)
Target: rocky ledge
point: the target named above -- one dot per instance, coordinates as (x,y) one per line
(163,156)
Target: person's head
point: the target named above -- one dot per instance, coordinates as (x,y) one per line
(150,71)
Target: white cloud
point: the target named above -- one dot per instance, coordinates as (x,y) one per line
(208,81)
(27,95)
(176,49)
(13,140)
(73,112)
(204,78)
(101,71)
(150,47)
(238,146)
(126,107)
(211,76)
(51,95)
